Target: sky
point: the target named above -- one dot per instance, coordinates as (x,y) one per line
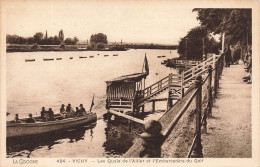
(162,22)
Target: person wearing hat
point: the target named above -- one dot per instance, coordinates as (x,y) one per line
(82,109)
(30,119)
(16,119)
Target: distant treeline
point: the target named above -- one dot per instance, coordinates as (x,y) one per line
(40,39)
(146,46)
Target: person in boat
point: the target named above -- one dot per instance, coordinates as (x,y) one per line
(30,119)
(63,111)
(82,109)
(50,115)
(70,112)
(78,112)
(16,119)
(43,113)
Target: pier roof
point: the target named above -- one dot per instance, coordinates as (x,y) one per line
(136,77)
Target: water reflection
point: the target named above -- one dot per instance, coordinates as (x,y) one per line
(24,146)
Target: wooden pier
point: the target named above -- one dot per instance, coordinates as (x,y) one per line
(194,105)
(127,93)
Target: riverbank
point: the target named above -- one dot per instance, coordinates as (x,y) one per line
(230,128)
(57,48)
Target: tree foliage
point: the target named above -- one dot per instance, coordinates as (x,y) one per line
(98,38)
(192,44)
(235,23)
(61,35)
(40,40)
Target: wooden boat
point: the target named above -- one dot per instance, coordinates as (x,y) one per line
(106,55)
(48,59)
(91,56)
(24,129)
(58,58)
(163,56)
(28,60)
(159,56)
(115,54)
(82,57)
(71,57)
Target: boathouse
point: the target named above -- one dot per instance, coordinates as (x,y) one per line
(123,92)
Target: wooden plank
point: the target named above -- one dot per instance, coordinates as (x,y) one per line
(127,117)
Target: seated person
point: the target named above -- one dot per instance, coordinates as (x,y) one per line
(16,119)
(30,119)
(51,115)
(79,112)
(62,111)
(43,112)
(71,114)
(82,109)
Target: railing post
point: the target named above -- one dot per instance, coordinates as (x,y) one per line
(182,84)
(216,80)
(210,101)
(169,103)
(197,150)
(152,140)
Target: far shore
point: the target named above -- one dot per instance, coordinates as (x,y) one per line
(57,48)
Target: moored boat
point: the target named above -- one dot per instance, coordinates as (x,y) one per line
(115,54)
(71,57)
(24,129)
(58,58)
(28,60)
(159,56)
(106,55)
(48,59)
(82,57)
(91,56)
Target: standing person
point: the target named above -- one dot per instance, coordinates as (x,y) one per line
(30,119)
(228,56)
(236,54)
(16,119)
(43,112)
(232,54)
(82,109)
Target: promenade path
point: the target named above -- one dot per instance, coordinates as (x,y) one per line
(229,132)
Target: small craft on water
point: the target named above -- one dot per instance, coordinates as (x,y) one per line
(106,55)
(115,54)
(50,122)
(71,57)
(91,56)
(48,59)
(82,57)
(28,60)
(23,129)
(58,58)
(159,56)
(163,56)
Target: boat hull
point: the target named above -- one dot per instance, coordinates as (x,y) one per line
(28,129)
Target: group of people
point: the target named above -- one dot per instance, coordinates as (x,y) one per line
(232,55)
(70,113)
(49,115)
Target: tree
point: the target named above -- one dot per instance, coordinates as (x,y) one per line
(61,35)
(38,37)
(56,40)
(68,41)
(235,23)
(191,46)
(75,41)
(98,38)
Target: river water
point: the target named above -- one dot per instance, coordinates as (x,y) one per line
(32,85)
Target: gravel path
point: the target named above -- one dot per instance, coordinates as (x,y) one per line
(229,129)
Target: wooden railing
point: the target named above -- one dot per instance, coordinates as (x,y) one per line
(207,74)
